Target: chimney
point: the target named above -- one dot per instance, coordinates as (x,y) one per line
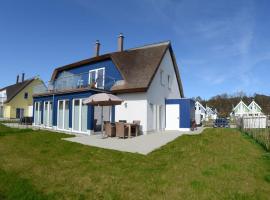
(97,47)
(23,77)
(120,42)
(17,81)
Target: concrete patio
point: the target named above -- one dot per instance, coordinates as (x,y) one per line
(143,144)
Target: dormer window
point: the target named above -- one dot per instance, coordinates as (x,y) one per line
(97,78)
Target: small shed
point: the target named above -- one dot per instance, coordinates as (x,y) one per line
(179,114)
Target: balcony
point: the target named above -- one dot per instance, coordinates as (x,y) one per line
(69,81)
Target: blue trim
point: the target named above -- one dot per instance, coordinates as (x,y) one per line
(113,114)
(186,111)
(90,115)
(70,97)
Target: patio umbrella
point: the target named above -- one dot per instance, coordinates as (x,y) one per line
(103,99)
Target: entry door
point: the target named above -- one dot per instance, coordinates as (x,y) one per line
(172,117)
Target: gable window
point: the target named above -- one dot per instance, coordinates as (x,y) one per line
(162,82)
(26,95)
(97,78)
(169,82)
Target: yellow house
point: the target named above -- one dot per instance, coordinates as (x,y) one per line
(16,100)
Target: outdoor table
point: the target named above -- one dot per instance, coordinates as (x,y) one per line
(130,125)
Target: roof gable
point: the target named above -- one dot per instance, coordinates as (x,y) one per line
(253,105)
(13,90)
(199,104)
(138,66)
(243,105)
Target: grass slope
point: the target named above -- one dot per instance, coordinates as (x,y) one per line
(218,164)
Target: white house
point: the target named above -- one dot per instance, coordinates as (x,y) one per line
(254,109)
(200,112)
(241,110)
(147,79)
(211,114)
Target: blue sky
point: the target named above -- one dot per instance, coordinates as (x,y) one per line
(220,46)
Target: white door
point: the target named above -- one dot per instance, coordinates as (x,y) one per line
(157,118)
(172,117)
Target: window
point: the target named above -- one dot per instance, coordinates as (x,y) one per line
(63,115)
(19,113)
(162,82)
(47,114)
(26,95)
(97,78)
(37,114)
(169,82)
(79,120)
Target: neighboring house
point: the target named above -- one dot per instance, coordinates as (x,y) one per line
(200,112)
(16,100)
(211,113)
(254,109)
(146,78)
(241,110)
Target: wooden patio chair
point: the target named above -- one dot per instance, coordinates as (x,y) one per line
(121,130)
(110,130)
(135,130)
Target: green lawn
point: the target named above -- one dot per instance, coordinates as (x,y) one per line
(218,164)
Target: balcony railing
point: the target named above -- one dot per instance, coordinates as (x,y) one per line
(68,81)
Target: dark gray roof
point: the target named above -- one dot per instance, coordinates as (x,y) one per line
(13,90)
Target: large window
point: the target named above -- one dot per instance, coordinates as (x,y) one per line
(47,114)
(79,122)
(97,78)
(37,116)
(63,115)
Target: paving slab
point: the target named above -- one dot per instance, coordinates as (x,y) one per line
(143,144)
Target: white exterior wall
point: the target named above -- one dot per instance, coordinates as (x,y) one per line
(149,106)
(3,97)
(199,113)
(134,107)
(30,111)
(157,93)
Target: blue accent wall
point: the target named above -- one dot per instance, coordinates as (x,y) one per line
(113,114)
(112,74)
(70,97)
(186,111)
